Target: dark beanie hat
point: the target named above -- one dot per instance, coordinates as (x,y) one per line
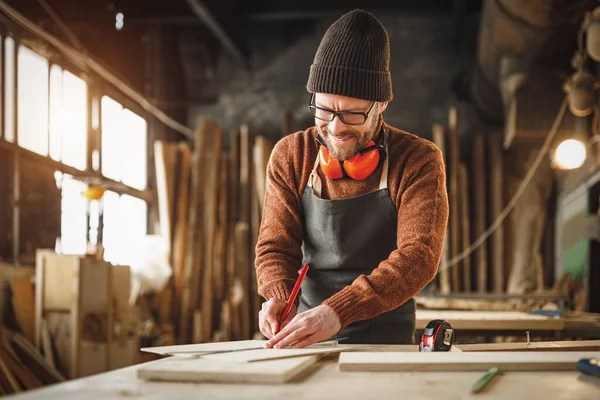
(353,59)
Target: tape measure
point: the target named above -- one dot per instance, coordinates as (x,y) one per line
(438,336)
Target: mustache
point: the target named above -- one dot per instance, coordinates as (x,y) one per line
(326,132)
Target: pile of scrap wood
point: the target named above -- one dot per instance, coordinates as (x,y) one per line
(22,366)
(209,200)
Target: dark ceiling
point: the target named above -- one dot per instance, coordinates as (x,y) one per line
(200,30)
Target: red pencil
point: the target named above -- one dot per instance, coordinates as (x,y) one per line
(292,298)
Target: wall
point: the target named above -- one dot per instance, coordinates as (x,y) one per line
(423,63)
(39,208)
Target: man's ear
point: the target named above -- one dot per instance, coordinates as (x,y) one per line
(382,106)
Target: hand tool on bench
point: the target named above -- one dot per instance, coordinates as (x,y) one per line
(437,336)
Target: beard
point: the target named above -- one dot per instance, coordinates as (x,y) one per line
(355,141)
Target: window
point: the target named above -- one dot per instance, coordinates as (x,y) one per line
(125,227)
(32,103)
(73,217)
(124,142)
(9,89)
(68,118)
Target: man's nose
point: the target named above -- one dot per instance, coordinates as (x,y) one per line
(337,126)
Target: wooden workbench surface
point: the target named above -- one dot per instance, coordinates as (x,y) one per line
(323,380)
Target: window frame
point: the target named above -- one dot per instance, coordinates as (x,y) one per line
(96,89)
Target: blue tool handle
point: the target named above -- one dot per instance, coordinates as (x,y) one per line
(589,366)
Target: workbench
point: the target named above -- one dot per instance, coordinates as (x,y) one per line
(323,380)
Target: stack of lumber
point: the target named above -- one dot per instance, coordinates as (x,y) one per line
(470,210)
(22,366)
(209,200)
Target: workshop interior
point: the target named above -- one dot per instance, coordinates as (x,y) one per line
(135,143)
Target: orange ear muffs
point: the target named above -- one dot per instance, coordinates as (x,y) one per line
(330,165)
(359,167)
(362,164)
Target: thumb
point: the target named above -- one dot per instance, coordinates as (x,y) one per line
(272,318)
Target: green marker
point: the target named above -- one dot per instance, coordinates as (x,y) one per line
(484,380)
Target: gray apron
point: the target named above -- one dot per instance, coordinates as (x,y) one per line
(344,239)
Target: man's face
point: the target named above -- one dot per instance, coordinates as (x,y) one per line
(343,140)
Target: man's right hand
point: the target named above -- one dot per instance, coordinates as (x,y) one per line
(268,316)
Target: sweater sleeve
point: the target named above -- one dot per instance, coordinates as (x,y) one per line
(278,248)
(422,218)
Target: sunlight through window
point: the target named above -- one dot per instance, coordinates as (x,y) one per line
(124,141)
(73,218)
(125,227)
(32,101)
(9,89)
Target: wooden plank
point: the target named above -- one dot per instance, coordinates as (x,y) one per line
(23,301)
(490,320)
(454,200)
(465,225)
(180,224)
(494,144)
(210,224)
(444,277)
(199,347)
(462,361)
(220,244)
(479,206)
(466,304)
(60,271)
(164,187)
(182,369)
(576,345)
(260,355)
(195,237)
(30,356)
(243,273)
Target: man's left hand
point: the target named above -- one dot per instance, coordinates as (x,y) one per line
(307,328)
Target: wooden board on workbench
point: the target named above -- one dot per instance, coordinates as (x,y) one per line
(188,369)
(490,320)
(462,361)
(200,347)
(565,345)
(261,355)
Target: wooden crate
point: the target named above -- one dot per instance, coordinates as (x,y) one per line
(84,303)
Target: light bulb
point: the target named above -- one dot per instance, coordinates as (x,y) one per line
(570,154)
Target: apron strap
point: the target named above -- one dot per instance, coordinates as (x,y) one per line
(383,182)
(314,181)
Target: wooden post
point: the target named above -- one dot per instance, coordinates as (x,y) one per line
(444,278)
(479,200)
(465,225)
(454,199)
(496,203)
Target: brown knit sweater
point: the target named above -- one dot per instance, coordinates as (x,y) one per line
(417,184)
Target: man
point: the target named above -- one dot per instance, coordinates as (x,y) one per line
(362,203)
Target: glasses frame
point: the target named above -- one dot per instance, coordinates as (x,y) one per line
(339,114)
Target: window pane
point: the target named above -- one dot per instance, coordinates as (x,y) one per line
(56,79)
(9,93)
(124,227)
(74,144)
(33,101)
(134,145)
(73,218)
(111,142)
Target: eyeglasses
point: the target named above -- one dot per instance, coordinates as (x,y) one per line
(347,117)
